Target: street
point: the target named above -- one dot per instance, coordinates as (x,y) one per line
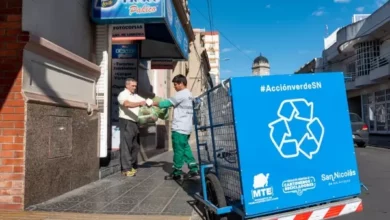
(374,168)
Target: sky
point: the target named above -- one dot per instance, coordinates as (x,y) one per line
(288,33)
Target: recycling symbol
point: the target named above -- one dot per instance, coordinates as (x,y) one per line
(296,131)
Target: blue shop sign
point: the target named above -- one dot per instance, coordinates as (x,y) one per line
(162,24)
(112,11)
(124,51)
(176,28)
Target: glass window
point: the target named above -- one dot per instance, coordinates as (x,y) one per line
(388,116)
(380,96)
(364,99)
(371,98)
(371,116)
(388,94)
(381,118)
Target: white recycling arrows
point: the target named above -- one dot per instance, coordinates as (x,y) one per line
(286,141)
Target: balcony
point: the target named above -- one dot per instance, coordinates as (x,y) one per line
(376,70)
(380,68)
(350,80)
(373,26)
(363,80)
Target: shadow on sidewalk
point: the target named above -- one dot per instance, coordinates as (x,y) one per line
(190,186)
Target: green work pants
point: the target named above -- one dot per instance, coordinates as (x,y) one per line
(182,153)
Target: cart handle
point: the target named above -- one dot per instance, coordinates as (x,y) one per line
(364,186)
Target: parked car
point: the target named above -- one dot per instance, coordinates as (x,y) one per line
(360,133)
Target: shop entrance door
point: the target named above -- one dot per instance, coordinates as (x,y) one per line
(376,111)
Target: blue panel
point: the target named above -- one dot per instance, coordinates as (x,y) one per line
(124,51)
(294,141)
(176,28)
(123,10)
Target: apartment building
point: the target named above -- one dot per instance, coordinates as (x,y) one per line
(362,51)
(60,76)
(212,44)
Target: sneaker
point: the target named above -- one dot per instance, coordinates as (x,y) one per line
(134,170)
(175,176)
(192,174)
(129,173)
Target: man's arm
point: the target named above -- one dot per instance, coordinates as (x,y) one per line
(122,101)
(173,101)
(163,104)
(128,104)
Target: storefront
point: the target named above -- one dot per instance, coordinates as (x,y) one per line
(130,34)
(376,111)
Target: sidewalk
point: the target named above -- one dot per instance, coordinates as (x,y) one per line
(62,216)
(146,194)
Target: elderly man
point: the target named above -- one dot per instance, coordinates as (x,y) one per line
(129,103)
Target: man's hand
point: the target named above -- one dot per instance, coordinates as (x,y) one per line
(149,102)
(142,103)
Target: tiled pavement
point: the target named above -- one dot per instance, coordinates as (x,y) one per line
(146,194)
(21,215)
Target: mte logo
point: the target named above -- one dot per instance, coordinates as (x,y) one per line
(261,189)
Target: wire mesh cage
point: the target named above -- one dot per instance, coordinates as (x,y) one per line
(216,137)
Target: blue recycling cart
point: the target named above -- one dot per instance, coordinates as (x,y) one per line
(277,147)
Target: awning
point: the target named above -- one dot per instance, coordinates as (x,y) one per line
(164,35)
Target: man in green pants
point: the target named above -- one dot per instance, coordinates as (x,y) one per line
(181,127)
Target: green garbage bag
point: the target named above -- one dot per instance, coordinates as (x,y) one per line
(150,115)
(162,113)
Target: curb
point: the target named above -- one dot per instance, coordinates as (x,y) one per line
(376,147)
(32,215)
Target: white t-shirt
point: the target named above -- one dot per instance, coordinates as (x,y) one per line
(128,113)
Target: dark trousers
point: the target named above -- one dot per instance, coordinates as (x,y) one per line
(129,144)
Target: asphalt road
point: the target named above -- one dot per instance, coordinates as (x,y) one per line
(374,169)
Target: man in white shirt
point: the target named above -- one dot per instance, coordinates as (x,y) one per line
(129,103)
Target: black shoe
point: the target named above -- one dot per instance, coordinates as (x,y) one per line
(173,177)
(192,174)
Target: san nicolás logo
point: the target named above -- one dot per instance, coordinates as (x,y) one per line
(339,177)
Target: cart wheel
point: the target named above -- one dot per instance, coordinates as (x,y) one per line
(215,195)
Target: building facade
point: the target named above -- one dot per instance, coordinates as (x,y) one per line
(212,44)
(362,51)
(59,77)
(313,66)
(49,119)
